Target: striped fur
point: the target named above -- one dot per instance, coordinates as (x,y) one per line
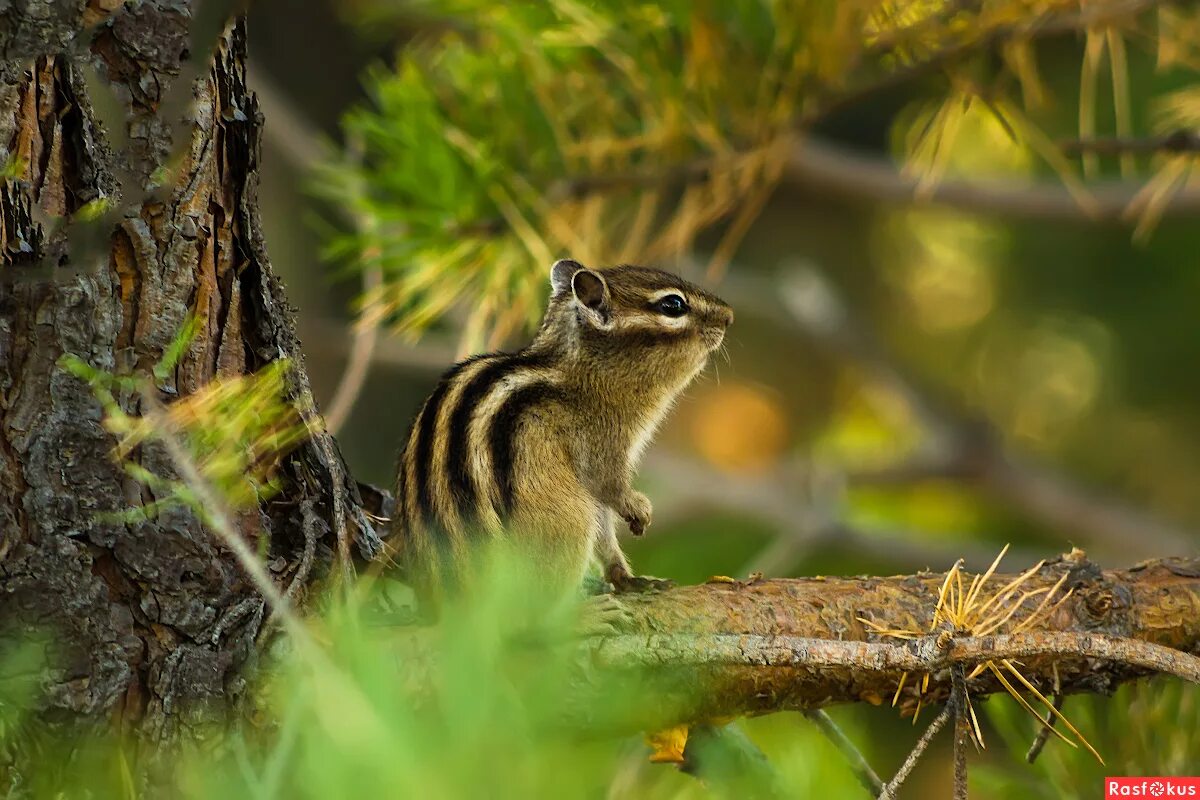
(538,447)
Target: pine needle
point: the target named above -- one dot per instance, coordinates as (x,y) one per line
(966,608)
(1049,705)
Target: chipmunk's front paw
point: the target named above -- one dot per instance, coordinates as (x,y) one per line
(603,615)
(624,581)
(635,509)
(643,583)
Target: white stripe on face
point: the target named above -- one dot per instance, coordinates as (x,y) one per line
(650,321)
(659,295)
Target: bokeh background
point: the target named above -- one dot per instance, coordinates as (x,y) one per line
(907,382)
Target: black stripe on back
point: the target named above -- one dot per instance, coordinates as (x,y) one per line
(400,505)
(426,432)
(402,509)
(502,437)
(462,483)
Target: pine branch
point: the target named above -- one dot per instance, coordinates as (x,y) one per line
(1043,26)
(726,649)
(822,165)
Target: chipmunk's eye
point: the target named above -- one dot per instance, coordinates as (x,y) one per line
(672,306)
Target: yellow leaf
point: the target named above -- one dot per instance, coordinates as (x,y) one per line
(667,745)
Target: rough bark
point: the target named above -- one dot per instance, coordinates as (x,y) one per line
(719,650)
(154,623)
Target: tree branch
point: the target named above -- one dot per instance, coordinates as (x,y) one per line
(939,722)
(727,649)
(839,171)
(1043,734)
(807,513)
(823,166)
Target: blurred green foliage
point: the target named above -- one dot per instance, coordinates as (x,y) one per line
(475,707)
(1151,728)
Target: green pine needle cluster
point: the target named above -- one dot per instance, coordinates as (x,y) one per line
(612,132)
(509,135)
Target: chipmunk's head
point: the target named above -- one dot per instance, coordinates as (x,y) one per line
(636,319)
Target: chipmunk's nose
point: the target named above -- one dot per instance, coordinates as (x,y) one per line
(725,315)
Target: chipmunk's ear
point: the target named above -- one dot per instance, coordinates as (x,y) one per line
(591,292)
(590,289)
(560,276)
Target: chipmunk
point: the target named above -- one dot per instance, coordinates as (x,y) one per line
(538,447)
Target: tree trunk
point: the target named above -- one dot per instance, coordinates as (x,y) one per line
(153,623)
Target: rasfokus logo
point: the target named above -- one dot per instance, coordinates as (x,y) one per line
(1151,787)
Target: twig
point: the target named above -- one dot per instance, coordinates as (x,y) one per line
(854,757)
(358,366)
(292,132)
(1043,734)
(889,791)
(917,655)
(962,729)
(327,338)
